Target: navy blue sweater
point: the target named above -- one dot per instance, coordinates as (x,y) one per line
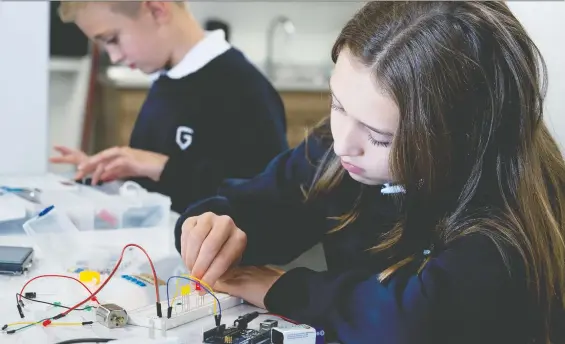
(231,121)
(463,295)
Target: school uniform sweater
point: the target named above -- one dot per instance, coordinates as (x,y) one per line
(464,295)
(224,120)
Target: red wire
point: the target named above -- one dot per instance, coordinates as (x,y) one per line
(61,276)
(283,318)
(112,274)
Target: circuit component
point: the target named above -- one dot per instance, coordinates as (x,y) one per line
(298,334)
(111,315)
(234,335)
(268,324)
(239,333)
(185,309)
(148,278)
(242,321)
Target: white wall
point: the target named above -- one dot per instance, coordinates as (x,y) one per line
(545,22)
(317,25)
(23,89)
(68,89)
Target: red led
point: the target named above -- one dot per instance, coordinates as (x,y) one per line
(198,286)
(47,322)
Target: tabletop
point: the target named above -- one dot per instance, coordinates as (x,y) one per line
(157,243)
(59,257)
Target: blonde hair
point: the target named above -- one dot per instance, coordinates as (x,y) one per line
(68,9)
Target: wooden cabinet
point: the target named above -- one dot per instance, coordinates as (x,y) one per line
(118,108)
(304,110)
(118,111)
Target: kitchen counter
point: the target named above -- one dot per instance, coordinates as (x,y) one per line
(292,79)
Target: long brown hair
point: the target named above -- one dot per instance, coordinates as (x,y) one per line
(471,151)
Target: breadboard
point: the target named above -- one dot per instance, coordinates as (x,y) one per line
(186,309)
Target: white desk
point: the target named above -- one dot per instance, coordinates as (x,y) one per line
(164,256)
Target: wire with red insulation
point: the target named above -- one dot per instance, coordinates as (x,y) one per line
(281,317)
(112,273)
(92,295)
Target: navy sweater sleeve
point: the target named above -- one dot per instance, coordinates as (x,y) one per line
(276,194)
(466,282)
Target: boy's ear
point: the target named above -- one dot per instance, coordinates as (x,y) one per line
(160,10)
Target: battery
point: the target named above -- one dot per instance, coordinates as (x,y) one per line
(299,334)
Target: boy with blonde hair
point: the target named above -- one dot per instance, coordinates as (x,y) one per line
(209,115)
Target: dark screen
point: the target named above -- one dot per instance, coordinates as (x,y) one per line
(15,255)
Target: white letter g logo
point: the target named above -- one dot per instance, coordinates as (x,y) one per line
(184,137)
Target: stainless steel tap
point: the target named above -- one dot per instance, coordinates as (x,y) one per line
(289,29)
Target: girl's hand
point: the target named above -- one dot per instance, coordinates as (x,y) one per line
(250,283)
(211,245)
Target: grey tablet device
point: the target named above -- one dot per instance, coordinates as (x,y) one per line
(15,260)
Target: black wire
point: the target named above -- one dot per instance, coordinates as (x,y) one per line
(86,340)
(20,304)
(51,304)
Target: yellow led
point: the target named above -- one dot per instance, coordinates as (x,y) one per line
(185,290)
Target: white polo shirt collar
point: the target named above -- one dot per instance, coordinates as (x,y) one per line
(212,46)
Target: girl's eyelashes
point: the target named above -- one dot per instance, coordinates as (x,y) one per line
(375,142)
(372,140)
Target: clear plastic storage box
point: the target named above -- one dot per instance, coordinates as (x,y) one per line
(62,244)
(129,206)
(111,206)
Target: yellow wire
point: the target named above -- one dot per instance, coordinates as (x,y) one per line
(209,288)
(203,283)
(52,324)
(65,324)
(177,292)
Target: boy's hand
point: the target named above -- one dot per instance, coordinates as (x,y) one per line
(250,283)
(122,162)
(211,245)
(68,156)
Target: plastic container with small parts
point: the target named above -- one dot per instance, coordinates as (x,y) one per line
(61,244)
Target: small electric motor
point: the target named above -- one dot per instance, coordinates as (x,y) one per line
(111,315)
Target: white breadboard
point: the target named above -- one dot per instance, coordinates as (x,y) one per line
(185,310)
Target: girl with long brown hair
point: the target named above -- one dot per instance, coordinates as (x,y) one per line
(436,189)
